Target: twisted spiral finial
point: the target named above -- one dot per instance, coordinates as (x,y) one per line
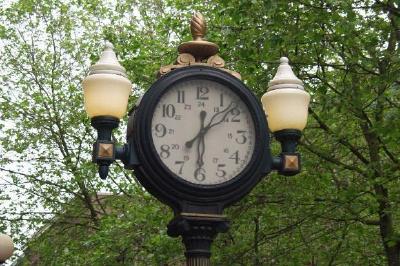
(198,26)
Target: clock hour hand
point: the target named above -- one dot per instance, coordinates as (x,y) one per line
(212,123)
(201,147)
(203,115)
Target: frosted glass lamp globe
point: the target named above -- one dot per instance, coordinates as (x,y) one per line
(286,103)
(106,88)
(6,247)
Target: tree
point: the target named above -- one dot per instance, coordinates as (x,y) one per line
(348,54)
(46,139)
(341,209)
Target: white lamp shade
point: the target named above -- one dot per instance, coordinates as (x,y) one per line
(286,108)
(6,247)
(106,95)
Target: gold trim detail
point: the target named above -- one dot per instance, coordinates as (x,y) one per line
(193,214)
(106,150)
(198,51)
(291,162)
(198,27)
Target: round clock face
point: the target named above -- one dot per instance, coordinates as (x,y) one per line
(203,132)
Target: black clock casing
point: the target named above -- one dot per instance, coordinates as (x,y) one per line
(179,194)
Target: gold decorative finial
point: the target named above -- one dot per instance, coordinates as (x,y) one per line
(198,51)
(198,27)
(199,48)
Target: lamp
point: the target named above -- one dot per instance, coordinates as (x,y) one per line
(106,92)
(6,247)
(106,88)
(286,107)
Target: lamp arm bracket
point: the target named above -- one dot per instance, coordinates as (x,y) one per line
(277,163)
(288,162)
(106,152)
(128,155)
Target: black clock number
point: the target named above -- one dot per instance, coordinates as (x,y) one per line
(242,138)
(165,151)
(168,110)
(161,130)
(220,172)
(235,156)
(175,146)
(181,97)
(181,163)
(202,92)
(200,174)
(235,113)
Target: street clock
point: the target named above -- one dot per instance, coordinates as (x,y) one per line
(198,139)
(202,137)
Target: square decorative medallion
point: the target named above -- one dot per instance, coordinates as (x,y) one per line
(106,150)
(291,163)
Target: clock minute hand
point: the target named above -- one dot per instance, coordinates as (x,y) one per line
(200,153)
(227,110)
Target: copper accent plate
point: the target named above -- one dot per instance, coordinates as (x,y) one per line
(291,162)
(106,150)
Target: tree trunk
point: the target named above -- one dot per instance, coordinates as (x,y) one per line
(387,231)
(390,243)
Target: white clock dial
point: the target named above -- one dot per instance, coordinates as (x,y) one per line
(203,132)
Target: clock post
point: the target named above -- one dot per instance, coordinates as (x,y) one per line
(199,226)
(198,231)
(198,140)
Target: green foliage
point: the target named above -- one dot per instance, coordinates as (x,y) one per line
(122,237)
(343,207)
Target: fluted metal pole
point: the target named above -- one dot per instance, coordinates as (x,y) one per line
(198,261)
(198,231)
